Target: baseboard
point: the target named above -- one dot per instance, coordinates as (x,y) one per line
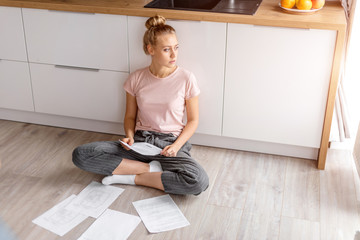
(255,146)
(62,121)
(197,139)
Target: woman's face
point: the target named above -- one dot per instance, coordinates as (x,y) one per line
(166,50)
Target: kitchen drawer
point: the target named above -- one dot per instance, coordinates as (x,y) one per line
(77,92)
(77,39)
(15,86)
(12,42)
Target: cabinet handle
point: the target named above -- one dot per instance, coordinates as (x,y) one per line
(50,10)
(182,20)
(300,29)
(78,68)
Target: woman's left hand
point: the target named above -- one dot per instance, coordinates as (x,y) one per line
(170,150)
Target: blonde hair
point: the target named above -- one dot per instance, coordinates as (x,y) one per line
(155,27)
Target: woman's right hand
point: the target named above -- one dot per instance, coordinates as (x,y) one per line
(129,141)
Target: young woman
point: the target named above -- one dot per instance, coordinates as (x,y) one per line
(157,98)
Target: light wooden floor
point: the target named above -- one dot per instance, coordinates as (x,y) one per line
(251,196)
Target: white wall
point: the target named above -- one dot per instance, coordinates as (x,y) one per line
(352,72)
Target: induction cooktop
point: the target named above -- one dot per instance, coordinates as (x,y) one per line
(247,7)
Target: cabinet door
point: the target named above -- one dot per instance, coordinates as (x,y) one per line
(12,43)
(276,83)
(202,51)
(15,86)
(77,39)
(76,92)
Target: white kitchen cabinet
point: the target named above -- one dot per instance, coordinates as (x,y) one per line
(202,51)
(77,39)
(15,87)
(276,83)
(76,92)
(137,57)
(12,42)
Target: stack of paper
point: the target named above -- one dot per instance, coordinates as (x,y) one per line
(144,148)
(92,201)
(158,214)
(111,225)
(59,220)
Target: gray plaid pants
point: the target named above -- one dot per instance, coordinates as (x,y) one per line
(181,174)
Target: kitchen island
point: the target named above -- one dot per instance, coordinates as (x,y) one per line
(330,21)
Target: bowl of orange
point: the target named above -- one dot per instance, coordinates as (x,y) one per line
(301,6)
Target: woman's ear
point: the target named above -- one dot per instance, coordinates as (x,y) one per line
(150,49)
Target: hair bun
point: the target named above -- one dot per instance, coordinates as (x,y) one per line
(155,21)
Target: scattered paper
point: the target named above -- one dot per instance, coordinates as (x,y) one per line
(60,220)
(94,199)
(111,225)
(160,214)
(144,148)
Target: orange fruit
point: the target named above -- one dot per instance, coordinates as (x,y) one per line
(303,4)
(287,3)
(317,4)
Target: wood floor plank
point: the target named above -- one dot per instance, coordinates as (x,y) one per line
(299,229)
(272,169)
(234,179)
(219,223)
(41,142)
(259,226)
(338,216)
(266,193)
(12,187)
(263,198)
(9,130)
(302,190)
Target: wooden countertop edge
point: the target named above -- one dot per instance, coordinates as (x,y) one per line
(258,19)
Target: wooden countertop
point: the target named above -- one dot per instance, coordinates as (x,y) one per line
(269,13)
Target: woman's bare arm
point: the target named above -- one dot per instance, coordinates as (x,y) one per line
(130,118)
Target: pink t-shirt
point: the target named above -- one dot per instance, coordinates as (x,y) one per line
(161,101)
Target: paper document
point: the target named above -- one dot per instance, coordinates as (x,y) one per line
(94,199)
(144,148)
(60,220)
(160,214)
(111,225)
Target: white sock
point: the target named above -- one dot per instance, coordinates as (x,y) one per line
(155,166)
(120,179)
